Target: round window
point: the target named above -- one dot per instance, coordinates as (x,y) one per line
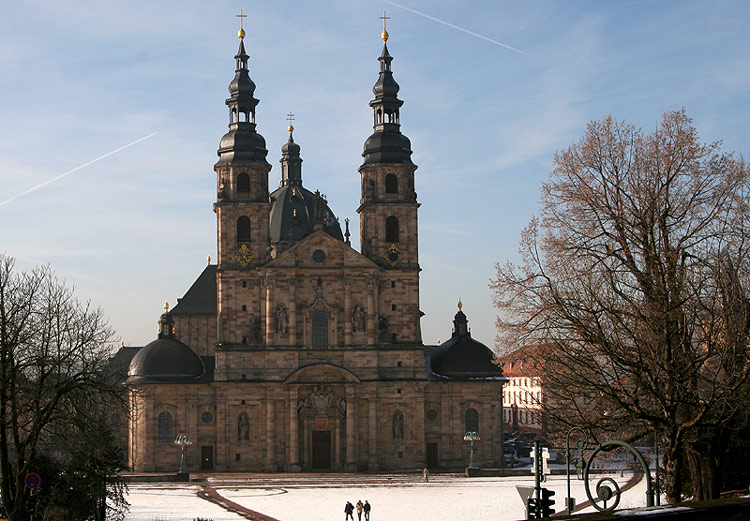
(207,417)
(319,255)
(431,415)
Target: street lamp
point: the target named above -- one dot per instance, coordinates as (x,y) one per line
(472,437)
(182,440)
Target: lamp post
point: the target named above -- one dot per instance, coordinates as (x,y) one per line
(471,436)
(182,440)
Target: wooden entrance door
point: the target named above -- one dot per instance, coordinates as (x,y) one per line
(432,455)
(207,457)
(321,450)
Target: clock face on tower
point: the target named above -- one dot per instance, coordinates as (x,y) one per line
(244,257)
(392,255)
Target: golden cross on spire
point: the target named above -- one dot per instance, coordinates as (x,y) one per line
(384,35)
(290,118)
(241,32)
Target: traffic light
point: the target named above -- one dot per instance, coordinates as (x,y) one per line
(545,503)
(533,507)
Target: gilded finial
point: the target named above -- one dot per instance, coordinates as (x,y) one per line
(290,118)
(460,304)
(384,34)
(166,306)
(208,259)
(241,32)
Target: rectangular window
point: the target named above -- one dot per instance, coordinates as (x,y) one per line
(319,329)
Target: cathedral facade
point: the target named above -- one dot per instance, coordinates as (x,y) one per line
(296,352)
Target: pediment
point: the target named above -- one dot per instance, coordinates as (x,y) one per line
(307,253)
(321,373)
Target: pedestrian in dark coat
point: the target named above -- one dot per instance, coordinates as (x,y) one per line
(349,509)
(360,506)
(366,508)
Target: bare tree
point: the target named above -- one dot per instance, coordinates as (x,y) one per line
(635,277)
(53,359)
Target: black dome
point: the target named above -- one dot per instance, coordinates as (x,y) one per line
(463,358)
(295,212)
(165,360)
(242,144)
(387,147)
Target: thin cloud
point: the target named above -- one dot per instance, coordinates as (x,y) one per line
(438,20)
(48,181)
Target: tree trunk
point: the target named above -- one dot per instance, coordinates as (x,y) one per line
(672,470)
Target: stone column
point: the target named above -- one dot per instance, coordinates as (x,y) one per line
(337,445)
(347,312)
(270,459)
(269,283)
(294,465)
(446,453)
(372,312)
(372,429)
(292,311)
(351,426)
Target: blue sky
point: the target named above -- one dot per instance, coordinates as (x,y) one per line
(80,79)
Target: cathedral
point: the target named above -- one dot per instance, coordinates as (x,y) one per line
(296,352)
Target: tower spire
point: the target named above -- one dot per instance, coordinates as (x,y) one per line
(242,142)
(291,162)
(386,144)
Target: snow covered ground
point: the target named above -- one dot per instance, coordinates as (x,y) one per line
(443,498)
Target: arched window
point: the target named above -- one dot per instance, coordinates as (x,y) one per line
(243,427)
(243,229)
(471,420)
(391,229)
(397,425)
(391,184)
(243,183)
(319,329)
(164,427)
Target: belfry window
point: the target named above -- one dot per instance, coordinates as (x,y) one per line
(391,229)
(319,321)
(243,183)
(164,427)
(243,229)
(471,420)
(391,184)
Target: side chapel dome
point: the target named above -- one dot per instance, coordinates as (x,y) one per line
(166,359)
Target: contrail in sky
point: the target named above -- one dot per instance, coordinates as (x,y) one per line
(453,26)
(48,181)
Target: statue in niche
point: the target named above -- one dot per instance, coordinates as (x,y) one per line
(384,330)
(243,427)
(358,318)
(255,334)
(398,426)
(282,320)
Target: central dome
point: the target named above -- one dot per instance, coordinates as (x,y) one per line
(296,211)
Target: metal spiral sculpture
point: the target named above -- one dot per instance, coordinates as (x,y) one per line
(607,488)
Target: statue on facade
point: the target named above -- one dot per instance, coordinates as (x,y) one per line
(398,426)
(358,318)
(243,427)
(282,320)
(255,333)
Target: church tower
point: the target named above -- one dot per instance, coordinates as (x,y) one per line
(242,204)
(388,209)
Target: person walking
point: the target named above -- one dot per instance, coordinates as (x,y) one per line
(349,509)
(366,508)
(360,506)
